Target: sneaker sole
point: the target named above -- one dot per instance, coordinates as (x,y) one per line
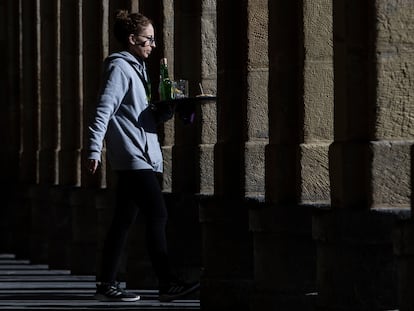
(168,298)
(103,298)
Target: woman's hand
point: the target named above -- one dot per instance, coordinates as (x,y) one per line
(92,165)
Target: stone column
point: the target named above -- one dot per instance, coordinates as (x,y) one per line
(207,126)
(187,65)
(318,100)
(195,61)
(370,158)
(71,128)
(403,244)
(85,206)
(49,127)
(166,49)
(49,88)
(300,119)
(183,227)
(226,242)
(257,73)
(29,120)
(396,68)
(10,129)
(94,48)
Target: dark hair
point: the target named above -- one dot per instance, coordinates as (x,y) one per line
(129,23)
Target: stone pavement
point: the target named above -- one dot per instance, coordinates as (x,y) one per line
(26,286)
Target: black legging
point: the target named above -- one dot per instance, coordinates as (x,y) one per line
(139,189)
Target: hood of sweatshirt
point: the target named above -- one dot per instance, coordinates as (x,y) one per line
(125,55)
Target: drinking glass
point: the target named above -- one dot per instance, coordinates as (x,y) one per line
(180,88)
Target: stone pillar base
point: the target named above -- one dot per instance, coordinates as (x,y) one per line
(184,234)
(140,273)
(85,232)
(40,224)
(283,301)
(285,257)
(60,231)
(356,267)
(7,228)
(219,294)
(21,222)
(227,254)
(104,205)
(404,250)
(183,237)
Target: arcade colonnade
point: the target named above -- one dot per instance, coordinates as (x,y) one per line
(290,192)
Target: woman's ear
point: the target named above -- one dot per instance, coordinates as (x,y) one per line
(131,39)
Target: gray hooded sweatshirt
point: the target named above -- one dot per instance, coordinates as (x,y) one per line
(124,118)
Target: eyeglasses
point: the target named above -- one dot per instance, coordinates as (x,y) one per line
(150,39)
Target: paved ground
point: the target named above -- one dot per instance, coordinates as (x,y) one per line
(25,286)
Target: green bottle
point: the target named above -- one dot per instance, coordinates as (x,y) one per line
(165,85)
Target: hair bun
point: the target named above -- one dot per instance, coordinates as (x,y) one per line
(121,14)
